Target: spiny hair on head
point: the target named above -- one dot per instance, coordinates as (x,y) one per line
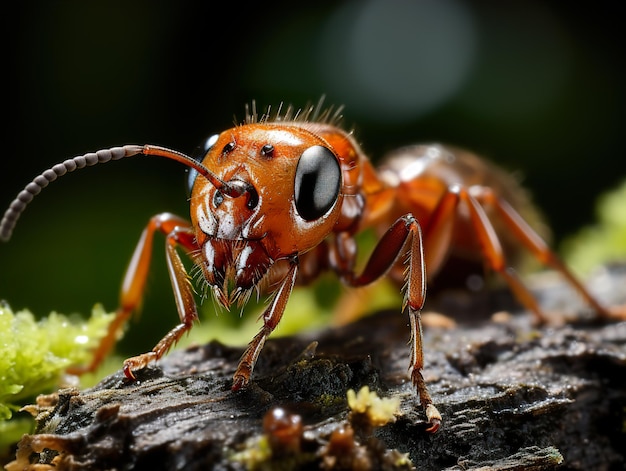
(311,113)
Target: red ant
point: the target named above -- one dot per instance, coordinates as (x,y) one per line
(279,199)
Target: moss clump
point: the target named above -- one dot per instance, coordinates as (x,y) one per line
(34,354)
(603,242)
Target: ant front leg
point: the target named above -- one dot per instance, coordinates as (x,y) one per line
(271,317)
(178,232)
(405,230)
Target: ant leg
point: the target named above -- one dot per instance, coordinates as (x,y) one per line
(183,295)
(271,318)
(438,232)
(537,246)
(389,248)
(439,229)
(436,240)
(133,285)
(493,253)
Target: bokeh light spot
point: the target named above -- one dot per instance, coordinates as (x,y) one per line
(394,59)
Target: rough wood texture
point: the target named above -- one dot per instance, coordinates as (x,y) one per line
(512,396)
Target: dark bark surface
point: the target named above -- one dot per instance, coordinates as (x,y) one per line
(512,396)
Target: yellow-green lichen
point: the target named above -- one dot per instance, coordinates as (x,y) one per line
(34,354)
(379,411)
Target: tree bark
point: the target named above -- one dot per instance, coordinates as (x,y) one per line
(512,397)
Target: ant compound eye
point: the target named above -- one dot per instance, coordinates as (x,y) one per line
(317,184)
(206,146)
(198,155)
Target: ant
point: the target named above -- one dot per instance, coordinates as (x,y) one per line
(278,199)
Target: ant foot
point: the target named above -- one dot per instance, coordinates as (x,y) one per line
(239,381)
(617,313)
(434,418)
(137,363)
(241,376)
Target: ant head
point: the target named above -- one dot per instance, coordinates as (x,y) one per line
(292,180)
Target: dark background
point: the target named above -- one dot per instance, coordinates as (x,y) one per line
(534,85)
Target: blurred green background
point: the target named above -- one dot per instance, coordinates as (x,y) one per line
(537,86)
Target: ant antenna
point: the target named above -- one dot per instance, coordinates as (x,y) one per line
(24,197)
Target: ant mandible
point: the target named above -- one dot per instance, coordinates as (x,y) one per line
(279,199)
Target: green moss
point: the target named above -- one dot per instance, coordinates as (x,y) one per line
(603,242)
(35,353)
